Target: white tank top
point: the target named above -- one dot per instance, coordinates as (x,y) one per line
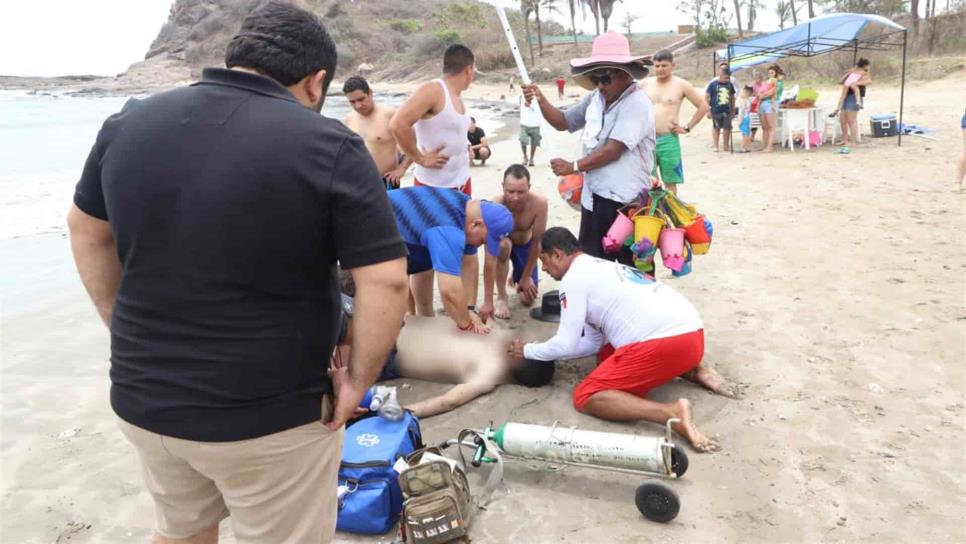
(446,128)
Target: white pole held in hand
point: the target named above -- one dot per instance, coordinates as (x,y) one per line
(513,45)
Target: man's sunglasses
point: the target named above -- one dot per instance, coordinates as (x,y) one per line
(603,79)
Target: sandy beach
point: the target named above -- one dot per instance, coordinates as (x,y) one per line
(834,294)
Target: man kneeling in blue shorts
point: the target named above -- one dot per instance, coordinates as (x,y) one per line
(521,248)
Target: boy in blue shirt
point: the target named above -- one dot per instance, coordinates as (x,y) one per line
(721,95)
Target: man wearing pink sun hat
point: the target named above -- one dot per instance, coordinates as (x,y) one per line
(617,151)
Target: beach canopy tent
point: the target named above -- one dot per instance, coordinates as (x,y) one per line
(818,36)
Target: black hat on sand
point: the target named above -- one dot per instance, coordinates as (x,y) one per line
(549,309)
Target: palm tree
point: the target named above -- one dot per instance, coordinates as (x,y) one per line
(783,10)
(738,15)
(753,7)
(525,9)
(536,14)
(606,9)
(572,4)
(594,6)
(794,12)
(811,10)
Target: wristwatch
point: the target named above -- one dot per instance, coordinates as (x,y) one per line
(575,167)
(687,128)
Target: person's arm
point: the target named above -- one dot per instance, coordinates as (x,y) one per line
(95,255)
(453,295)
(606,154)
(553,115)
(539,227)
(421,103)
(731,102)
(702,107)
(565,344)
(375,254)
(451,400)
(707,97)
(489,277)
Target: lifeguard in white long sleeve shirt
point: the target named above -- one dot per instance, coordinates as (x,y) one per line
(646,333)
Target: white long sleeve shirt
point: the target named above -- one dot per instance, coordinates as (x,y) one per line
(605,300)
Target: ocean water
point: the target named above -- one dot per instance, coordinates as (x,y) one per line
(45,139)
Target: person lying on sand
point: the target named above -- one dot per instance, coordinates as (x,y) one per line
(657,333)
(431,349)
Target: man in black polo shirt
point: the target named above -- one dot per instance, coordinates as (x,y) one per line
(206,227)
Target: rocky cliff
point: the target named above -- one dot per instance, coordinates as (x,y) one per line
(395,39)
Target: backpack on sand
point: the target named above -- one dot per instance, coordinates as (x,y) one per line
(437,504)
(369,496)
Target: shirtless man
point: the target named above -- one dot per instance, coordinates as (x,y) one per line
(431,128)
(667,93)
(371,121)
(522,247)
(428,348)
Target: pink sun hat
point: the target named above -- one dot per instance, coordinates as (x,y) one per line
(610,50)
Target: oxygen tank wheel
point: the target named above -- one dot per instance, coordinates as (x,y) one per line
(657,501)
(679,460)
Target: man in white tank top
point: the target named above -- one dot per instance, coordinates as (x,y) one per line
(430,128)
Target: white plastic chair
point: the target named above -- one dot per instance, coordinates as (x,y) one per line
(795,121)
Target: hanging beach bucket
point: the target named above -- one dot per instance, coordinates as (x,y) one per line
(671,243)
(617,235)
(698,234)
(686,267)
(647,224)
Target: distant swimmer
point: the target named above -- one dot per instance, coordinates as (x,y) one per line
(370,120)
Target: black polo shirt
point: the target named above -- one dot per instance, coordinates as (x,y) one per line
(230,204)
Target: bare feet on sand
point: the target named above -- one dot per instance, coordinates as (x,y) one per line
(682,410)
(712,381)
(501,309)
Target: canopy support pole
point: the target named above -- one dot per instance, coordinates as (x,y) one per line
(902,85)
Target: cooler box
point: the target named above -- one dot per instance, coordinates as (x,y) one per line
(884,124)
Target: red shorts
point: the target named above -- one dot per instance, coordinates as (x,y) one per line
(467,187)
(641,367)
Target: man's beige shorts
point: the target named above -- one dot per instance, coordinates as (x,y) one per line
(276,488)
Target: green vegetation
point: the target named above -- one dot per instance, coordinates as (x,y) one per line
(405,26)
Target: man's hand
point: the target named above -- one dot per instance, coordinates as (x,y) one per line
(532,92)
(486,311)
(347,398)
(527,290)
(562,167)
(394,177)
(476,325)
(516,350)
(434,158)
(677,129)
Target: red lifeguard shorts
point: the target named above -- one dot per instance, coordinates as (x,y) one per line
(467,187)
(641,367)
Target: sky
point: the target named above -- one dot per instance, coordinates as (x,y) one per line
(104,37)
(74,37)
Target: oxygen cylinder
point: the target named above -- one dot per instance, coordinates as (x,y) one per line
(621,451)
